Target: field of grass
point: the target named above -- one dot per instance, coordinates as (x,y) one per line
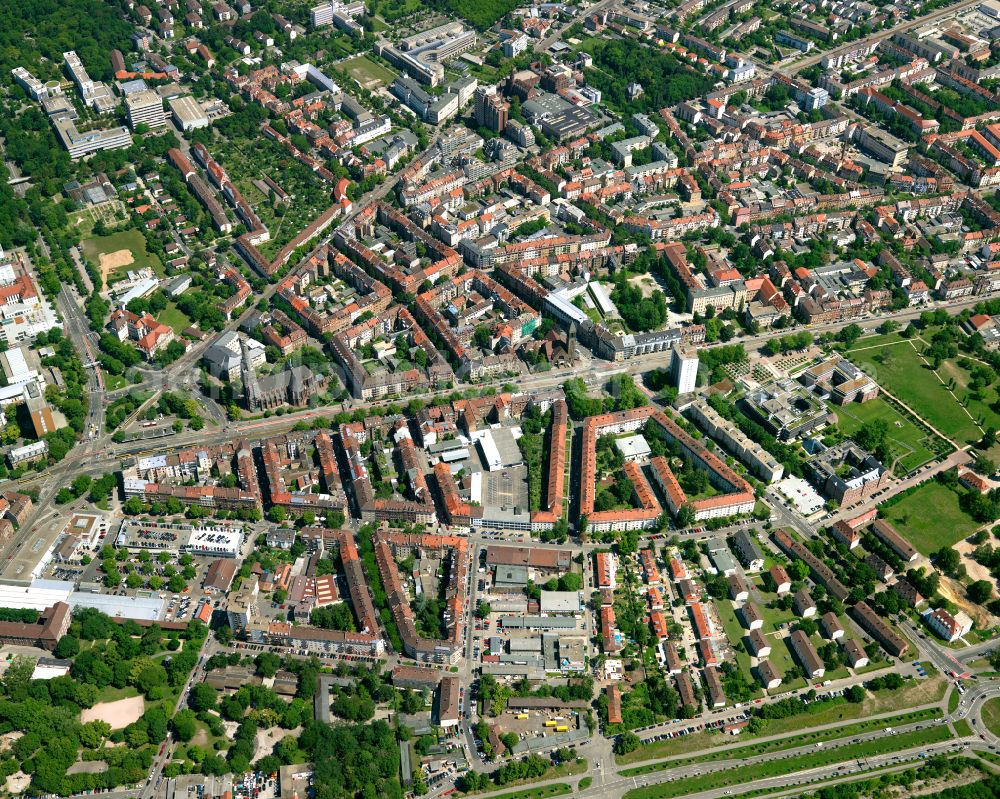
(930,517)
(782,744)
(734,632)
(131,240)
(781,766)
(114,382)
(981,408)
(897,366)
(911,446)
(537,793)
(112,694)
(781,656)
(917,694)
(174,318)
(365,71)
(962,728)
(991,716)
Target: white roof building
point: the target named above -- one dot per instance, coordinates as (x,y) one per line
(633,448)
(561,602)
(489,450)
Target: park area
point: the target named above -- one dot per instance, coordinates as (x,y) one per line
(119,253)
(249,160)
(895,362)
(174,318)
(910,444)
(930,517)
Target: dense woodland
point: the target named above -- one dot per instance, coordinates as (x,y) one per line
(106,656)
(665,80)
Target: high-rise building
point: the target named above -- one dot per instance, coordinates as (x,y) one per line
(491,110)
(145,108)
(684,369)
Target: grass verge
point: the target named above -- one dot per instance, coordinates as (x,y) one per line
(780,744)
(789,765)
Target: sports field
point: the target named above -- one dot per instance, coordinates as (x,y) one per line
(368,73)
(119,253)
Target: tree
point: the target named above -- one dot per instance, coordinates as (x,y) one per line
(151,680)
(989,438)
(482,336)
(93,733)
(267,664)
(202,696)
(855,694)
(626,742)
(685,516)
(947,559)
(185,725)
(509,740)
(982,464)
(980,591)
(850,334)
(68,647)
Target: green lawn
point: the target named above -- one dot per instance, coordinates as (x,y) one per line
(114,382)
(778,767)
(899,368)
(962,728)
(981,407)
(930,517)
(112,694)
(915,695)
(174,318)
(782,744)
(781,656)
(991,716)
(537,793)
(735,632)
(131,240)
(366,71)
(911,446)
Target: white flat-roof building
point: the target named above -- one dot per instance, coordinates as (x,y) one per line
(490,452)
(604,304)
(633,448)
(684,369)
(561,602)
(145,108)
(124,607)
(29,452)
(188,113)
(81,144)
(39,595)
